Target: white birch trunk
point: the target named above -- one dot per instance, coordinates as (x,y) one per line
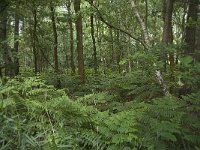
(147,42)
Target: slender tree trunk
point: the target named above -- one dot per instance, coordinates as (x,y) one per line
(142,23)
(147,42)
(79,32)
(94,43)
(197,53)
(118,51)
(100,31)
(129,53)
(190,32)
(71,39)
(112,59)
(55,44)
(55,36)
(35,53)
(3,36)
(65,57)
(16,39)
(183,24)
(190,38)
(146,13)
(167,30)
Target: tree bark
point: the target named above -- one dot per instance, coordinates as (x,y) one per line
(142,23)
(55,44)
(112,59)
(147,42)
(94,43)
(197,53)
(118,51)
(79,33)
(16,39)
(190,31)
(146,13)
(167,31)
(34,39)
(71,39)
(3,37)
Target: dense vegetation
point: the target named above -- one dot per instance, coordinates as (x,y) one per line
(99,75)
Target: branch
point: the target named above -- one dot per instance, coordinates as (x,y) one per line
(142,23)
(145,43)
(116,28)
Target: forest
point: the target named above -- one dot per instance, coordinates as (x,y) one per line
(99,74)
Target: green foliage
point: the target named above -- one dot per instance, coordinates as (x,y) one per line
(137,86)
(191,120)
(34,115)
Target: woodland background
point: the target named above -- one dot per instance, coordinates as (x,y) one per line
(100,74)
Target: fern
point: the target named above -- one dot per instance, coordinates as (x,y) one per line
(34,115)
(191,122)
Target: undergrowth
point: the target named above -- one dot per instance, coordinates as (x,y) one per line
(35,115)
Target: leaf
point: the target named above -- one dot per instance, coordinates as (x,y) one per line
(186,60)
(122,62)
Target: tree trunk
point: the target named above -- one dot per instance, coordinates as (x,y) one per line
(190,32)
(167,30)
(112,59)
(35,53)
(3,37)
(197,53)
(167,18)
(65,57)
(55,36)
(146,13)
(142,23)
(118,51)
(94,43)
(16,39)
(79,32)
(71,39)
(55,44)
(147,42)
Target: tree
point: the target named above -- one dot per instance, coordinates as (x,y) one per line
(167,38)
(147,43)
(93,41)
(71,38)
(7,62)
(55,36)
(34,39)
(16,39)
(55,43)
(197,53)
(79,33)
(190,31)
